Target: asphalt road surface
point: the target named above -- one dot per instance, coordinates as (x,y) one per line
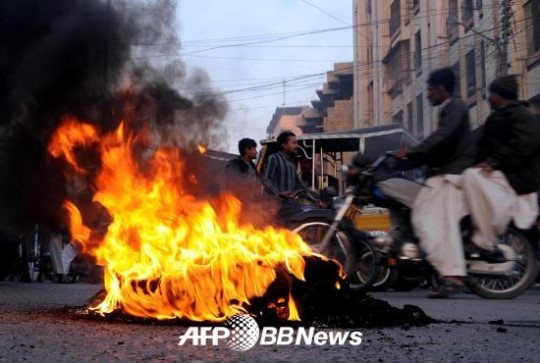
(36,326)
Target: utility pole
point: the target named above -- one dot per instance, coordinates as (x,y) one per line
(506,32)
(501,42)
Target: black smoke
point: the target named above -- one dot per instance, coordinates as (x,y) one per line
(100,61)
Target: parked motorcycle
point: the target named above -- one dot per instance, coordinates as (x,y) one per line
(329,230)
(400,250)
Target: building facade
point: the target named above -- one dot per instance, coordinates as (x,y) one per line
(285,119)
(332,109)
(399,42)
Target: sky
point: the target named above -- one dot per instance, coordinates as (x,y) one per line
(250,47)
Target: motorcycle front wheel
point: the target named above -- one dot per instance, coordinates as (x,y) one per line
(357,256)
(518,280)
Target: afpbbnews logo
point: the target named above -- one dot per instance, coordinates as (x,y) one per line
(241,333)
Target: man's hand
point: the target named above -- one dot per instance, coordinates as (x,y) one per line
(485,168)
(286,195)
(401,153)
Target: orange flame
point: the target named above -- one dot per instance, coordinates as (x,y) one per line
(202,149)
(168,254)
(74,135)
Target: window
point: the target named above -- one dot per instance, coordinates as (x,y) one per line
(413,7)
(467,14)
(483,81)
(368,7)
(532,16)
(398,118)
(418,52)
(479,8)
(452,21)
(420,116)
(470,62)
(397,67)
(395,17)
(455,68)
(410,121)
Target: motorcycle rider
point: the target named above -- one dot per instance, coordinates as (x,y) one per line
(502,186)
(439,205)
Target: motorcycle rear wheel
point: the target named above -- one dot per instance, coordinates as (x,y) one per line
(523,274)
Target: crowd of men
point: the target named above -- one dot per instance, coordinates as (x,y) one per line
(492,175)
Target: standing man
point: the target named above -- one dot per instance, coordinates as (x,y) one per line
(440,205)
(503,184)
(279,176)
(242,168)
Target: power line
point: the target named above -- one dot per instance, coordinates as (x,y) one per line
(325,12)
(265,87)
(272,36)
(282,46)
(244,44)
(263,59)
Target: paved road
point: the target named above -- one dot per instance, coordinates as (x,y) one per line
(36,327)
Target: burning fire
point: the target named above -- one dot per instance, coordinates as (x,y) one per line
(202,149)
(166,253)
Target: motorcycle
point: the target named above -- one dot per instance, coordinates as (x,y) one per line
(504,278)
(328,229)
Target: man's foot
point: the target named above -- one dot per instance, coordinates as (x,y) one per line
(447,287)
(473,252)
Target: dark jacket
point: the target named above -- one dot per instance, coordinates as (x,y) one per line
(237,165)
(510,142)
(447,150)
(239,174)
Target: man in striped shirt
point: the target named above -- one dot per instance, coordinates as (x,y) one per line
(279,176)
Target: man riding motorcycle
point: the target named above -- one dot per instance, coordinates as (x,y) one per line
(503,184)
(439,205)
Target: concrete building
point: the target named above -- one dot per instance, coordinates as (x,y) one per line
(399,42)
(285,119)
(332,110)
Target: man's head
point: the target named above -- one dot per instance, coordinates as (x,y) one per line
(287,142)
(441,85)
(502,91)
(306,164)
(248,148)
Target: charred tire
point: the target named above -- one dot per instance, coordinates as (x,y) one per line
(344,248)
(525,270)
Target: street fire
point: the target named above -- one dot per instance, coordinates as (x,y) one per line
(202,149)
(166,253)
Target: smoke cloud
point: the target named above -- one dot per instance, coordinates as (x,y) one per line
(93,60)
